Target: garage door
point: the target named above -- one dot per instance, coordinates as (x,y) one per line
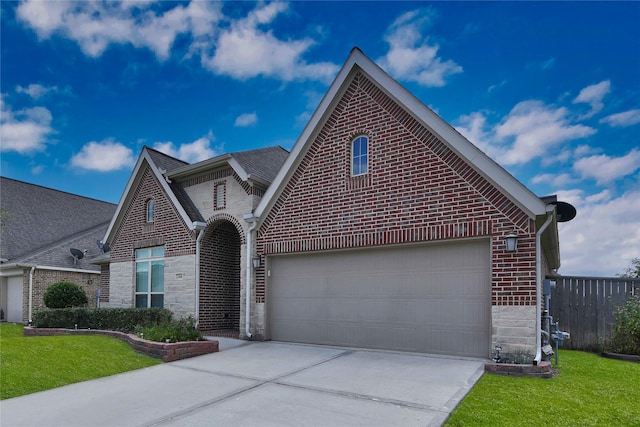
(429,298)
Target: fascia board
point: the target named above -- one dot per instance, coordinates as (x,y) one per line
(133,180)
(199,167)
(300,147)
(477,159)
(125,195)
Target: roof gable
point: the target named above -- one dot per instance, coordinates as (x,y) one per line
(358,62)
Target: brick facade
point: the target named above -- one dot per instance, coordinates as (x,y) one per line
(417,190)
(43,278)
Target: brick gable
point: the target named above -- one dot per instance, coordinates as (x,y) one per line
(167,229)
(417,190)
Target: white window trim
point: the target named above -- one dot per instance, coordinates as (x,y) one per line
(353,158)
(148,260)
(151,203)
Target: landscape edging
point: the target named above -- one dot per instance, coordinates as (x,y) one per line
(168,352)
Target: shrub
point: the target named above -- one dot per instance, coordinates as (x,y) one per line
(626,332)
(116,319)
(172,331)
(65,294)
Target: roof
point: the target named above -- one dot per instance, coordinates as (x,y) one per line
(357,62)
(263,163)
(259,166)
(43,224)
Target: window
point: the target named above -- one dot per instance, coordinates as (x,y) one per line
(150,210)
(360,156)
(150,277)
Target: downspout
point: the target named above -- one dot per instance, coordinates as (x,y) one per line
(549,210)
(33,269)
(199,228)
(247,308)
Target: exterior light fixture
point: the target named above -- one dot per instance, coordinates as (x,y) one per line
(256,261)
(512,241)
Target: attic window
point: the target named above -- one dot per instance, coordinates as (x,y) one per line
(219,195)
(360,156)
(150,210)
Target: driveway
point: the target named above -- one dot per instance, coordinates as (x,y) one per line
(261,383)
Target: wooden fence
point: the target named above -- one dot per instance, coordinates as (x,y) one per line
(584,307)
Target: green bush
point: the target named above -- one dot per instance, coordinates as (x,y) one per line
(172,331)
(626,333)
(65,294)
(115,319)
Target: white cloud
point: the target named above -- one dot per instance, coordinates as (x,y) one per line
(593,96)
(247,119)
(242,48)
(557,180)
(605,169)
(36,91)
(24,131)
(245,50)
(104,156)
(96,25)
(194,152)
(605,234)
(537,130)
(410,56)
(626,118)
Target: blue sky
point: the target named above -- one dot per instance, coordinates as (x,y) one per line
(550,90)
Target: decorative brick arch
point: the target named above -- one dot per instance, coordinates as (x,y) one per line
(226,217)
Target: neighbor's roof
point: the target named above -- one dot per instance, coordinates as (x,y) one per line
(43,224)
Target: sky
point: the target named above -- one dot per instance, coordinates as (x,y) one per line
(549,90)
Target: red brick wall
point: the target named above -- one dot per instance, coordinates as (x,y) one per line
(167,229)
(220,277)
(105,275)
(417,190)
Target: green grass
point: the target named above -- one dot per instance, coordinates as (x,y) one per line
(31,364)
(589,391)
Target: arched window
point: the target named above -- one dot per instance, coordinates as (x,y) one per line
(360,156)
(150,210)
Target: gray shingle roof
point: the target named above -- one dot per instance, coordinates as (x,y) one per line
(263,163)
(44,224)
(164,161)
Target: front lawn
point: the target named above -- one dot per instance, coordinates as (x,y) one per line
(31,364)
(589,391)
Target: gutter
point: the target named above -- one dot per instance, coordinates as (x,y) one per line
(549,209)
(199,228)
(253,221)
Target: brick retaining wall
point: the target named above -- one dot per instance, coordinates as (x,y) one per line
(168,352)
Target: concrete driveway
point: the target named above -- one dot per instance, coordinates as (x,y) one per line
(261,383)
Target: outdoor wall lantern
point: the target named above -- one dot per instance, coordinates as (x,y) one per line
(512,241)
(256,261)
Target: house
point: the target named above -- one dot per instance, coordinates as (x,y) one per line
(383,228)
(40,227)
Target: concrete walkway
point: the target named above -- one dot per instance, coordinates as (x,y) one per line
(261,383)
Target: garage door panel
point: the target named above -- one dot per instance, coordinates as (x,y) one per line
(430,298)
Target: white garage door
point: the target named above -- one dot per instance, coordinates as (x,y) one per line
(14,299)
(430,298)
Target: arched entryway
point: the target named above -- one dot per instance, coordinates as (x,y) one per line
(220,279)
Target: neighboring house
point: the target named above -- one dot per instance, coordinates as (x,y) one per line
(40,227)
(383,228)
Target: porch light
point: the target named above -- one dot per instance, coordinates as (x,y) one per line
(512,241)
(256,261)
